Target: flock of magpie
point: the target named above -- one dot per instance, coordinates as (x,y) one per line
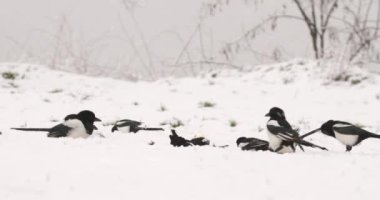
(282,138)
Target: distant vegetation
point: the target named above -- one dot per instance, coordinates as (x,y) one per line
(233,123)
(174,123)
(345,31)
(206,104)
(9,75)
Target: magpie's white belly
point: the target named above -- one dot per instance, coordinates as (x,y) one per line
(286,149)
(274,141)
(77,129)
(124,129)
(243,144)
(78,134)
(349,140)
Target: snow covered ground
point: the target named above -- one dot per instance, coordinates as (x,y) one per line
(124,166)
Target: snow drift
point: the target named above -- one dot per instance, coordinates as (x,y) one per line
(220,105)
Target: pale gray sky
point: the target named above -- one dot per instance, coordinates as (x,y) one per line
(28,29)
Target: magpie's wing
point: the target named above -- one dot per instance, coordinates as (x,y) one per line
(200,141)
(178,141)
(352,130)
(254,140)
(127,122)
(256,144)
(59,130)
(283,132)
(284,123)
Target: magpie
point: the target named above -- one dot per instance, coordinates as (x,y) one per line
(346,133)
(200,141)
(258,145)
(74,116)
(130,126)
(282,137)
(79,125)
(252,144)
(179,141)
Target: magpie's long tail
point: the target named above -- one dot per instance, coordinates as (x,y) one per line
(32,129)
(150,129)
(310,133)
(374,136)
(309,144)
(301,147)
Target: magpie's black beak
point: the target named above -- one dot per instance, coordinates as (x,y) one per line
(114,128)
(97,119)
(267,115)
(94,127)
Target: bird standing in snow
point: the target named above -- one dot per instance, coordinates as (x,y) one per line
(130,126)
(79,125)
(282,137)
(346,133)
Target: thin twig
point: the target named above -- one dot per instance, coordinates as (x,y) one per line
(211,63)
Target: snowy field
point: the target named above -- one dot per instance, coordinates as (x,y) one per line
(125,166)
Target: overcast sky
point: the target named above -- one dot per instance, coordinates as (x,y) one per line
(29,29)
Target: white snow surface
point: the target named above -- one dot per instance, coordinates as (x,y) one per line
(124,166)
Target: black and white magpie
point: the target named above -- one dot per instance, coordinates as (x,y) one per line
(258,145)
(282,137)
(79,125)
(252,144)
(179,141)
(74,116)
(346,133)
(131,126)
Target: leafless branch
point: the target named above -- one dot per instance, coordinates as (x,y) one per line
(230,65)
(129,6)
